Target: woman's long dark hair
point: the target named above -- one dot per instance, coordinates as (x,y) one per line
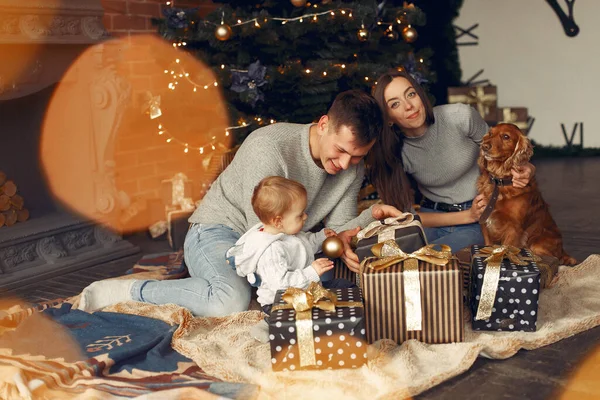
(384,162)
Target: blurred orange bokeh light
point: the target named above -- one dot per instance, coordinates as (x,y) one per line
(100,150)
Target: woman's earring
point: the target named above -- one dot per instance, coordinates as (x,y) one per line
(390,124)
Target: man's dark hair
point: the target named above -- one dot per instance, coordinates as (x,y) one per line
(358,111)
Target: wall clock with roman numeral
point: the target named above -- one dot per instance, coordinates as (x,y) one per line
(567,20)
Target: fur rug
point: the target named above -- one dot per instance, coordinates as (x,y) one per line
(223,348)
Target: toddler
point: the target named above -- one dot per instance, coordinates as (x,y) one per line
(275,254)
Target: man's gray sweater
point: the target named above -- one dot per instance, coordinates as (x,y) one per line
(282,149)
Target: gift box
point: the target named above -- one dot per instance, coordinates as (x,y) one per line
(505,286)
(177,191)
(482,98)
(406,230)
(177,227)
(412,295)
(514,115)
(317,328)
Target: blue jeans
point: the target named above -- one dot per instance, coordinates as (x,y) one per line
(213,289)
(457,236)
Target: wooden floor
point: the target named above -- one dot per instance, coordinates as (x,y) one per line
(568,369)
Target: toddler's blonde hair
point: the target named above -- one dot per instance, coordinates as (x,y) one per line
(274,195)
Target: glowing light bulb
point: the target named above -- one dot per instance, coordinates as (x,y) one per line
(177,61)
(169,140)
(186,150)
(201,150)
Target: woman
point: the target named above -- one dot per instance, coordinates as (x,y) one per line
(439,147)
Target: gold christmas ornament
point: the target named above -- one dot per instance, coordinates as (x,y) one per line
(409,34)
(362,34)
(333,247)
(298,3)
(223,32)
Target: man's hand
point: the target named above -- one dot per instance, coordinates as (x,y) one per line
(382,211)
(522,175)
(349,257)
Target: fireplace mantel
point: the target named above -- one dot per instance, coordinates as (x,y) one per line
(41,38)
(51,21)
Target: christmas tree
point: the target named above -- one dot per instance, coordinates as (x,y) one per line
(281,60)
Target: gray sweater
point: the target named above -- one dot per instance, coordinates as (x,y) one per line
(282,149)
(443,160)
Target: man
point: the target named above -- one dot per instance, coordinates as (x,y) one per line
(326,157)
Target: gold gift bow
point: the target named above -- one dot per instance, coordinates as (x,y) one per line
(509,117)
(495,254)
(389,253)
(476,95)
(303,301)
(385,230)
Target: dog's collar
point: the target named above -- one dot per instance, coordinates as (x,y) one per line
(498,182)
(501,181)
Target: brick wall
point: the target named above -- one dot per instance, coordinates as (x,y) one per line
(143,158)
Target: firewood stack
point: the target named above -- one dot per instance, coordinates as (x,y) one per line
(12,208)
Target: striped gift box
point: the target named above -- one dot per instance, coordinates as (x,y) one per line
(441,304)
(341,271)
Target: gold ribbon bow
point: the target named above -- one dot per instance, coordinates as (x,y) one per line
(389,253)
(303,301)
(476,96)
(510,117)
(385,230)
(495,254)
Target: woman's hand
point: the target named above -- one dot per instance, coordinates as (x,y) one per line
(477,208)
(522,174)
(349,257)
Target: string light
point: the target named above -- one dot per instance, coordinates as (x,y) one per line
(162,131)
(301,18)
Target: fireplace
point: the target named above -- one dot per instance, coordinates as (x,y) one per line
(39,41)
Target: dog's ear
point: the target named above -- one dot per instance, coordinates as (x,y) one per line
(481,161)
(523,151)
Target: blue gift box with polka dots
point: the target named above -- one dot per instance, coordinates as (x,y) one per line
(515,305)
(333,339)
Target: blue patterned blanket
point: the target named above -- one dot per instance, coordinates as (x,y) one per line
(54,347)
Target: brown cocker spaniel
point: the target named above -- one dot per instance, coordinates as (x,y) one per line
(520,216)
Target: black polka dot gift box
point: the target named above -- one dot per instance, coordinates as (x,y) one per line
(505,286)
(406,230)
(317,328)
